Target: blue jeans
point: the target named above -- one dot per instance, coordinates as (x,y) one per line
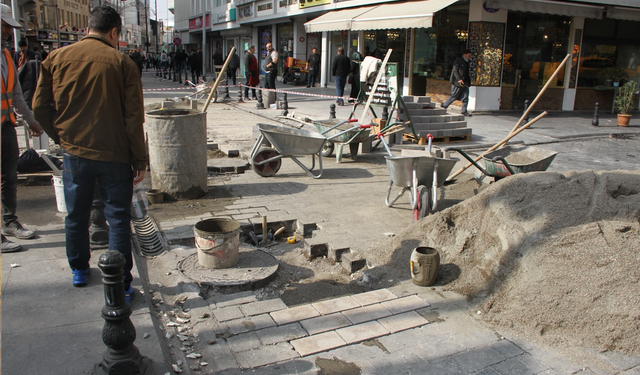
(311,78)
(116,187)
(340,82)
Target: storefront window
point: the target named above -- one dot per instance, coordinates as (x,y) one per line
(378,42)
(265,37)
(285,45)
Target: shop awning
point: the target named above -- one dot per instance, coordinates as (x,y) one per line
(620,13)
(548,7)
(407,15)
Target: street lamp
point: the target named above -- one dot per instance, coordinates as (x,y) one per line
(46,4)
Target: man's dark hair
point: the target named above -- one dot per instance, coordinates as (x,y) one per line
(22,43)
(340,50)
(103,19)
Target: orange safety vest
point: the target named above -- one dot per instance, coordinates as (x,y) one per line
(7,90)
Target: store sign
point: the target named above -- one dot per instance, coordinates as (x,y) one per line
(245,11)
(43,35)
(227,16)
(64,36)
(240,2)
(196,23)
(286,3)
(264,8)
(313,3)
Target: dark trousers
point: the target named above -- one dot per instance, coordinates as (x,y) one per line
(10,154)
(246,88)
(231,74)
(458,93)
(340,83)
(270,80)
(311,78)
(116,188)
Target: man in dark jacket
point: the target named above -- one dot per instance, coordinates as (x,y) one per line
(460,82)
(23,55)
(313,67)
(138,59)
(196,66)
(340,70)
(103,140)
(232,69)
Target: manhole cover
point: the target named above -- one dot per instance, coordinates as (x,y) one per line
(254,267)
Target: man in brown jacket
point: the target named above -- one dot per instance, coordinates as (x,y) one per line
(89,99)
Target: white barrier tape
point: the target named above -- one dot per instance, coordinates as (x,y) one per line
(295,92)
(185,88)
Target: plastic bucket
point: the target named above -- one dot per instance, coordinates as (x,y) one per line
(425,262)
(217,242)
(59,189)
(155,196)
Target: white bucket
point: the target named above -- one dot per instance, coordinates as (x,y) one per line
(59,188)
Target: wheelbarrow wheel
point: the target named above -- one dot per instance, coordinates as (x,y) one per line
(267,169)
(423,203)
(327,149)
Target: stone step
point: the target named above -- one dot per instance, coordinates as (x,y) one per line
(440,125)
(420,106)
(426,111)
(435,118)
(416,99)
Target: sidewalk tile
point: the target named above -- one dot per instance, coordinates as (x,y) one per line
(235,299)
(266,355)
(404,321)
(287,332)
(227,313)
(244,342)
(362,332)
(294,314)
(318,343)
(262,307)
(252,323)
(366,313)
(325,323)
(405,304)
(335,305)
(478,358)
(375,296)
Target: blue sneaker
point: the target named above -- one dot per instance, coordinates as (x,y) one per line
(128,294)
(80,277)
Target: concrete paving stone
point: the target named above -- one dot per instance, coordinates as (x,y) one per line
(224,300)
(249,324)
(334,305)
(297,366)
(533,363)
(263,307)
(245,216)
(244,342)
(325,323)
(478,358)
(219,357)
(446,366)
(404,321)
(294,314)
(633,371)
(318,343)
(366,313)
(404,304)
(375,296)
(507,348)
(512,366)
(619,361)
(227,313)
(487,371)
(287,332)
(362,332)
(437,346)
(553,361)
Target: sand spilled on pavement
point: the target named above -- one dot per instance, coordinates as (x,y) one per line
(553,257)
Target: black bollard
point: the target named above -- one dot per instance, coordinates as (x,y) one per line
(118,333)
(240,94)
(526,106)
(385,113)
(226,90)
(332,111)
(285,105)
(596,115)
(260,104)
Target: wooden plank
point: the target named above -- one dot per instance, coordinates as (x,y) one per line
(422,141)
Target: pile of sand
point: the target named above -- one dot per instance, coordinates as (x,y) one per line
(554,257)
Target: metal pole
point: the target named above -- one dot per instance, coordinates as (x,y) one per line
(157,31)
(204,36)
(146,26)
(16,32)
(58,25)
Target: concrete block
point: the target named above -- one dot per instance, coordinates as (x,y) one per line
(335,254)
(352,262)
(244,342)
(318,343)
(167,104)
(227,313)
(242,325)
(423,99)
(325,323)
(334,305)
(362,332)
(287,332)
(400,305)
(212,146)
(294,314)
(366,313)
(305,229)
(374,296)
(365,147)
(313,249)
(266,355)
(401,322)
(193,104)
(263,307)
(233,153)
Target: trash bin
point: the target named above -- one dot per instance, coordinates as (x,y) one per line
(177,141)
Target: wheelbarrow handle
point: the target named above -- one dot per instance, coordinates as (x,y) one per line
(363,126)
(466,156)
(384,143)
(338,124)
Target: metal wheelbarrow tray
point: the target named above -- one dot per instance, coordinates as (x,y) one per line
(346,134)
(290,143)
(421,175)
(510,160)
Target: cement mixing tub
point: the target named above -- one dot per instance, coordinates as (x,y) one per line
(178,152)
(217,241)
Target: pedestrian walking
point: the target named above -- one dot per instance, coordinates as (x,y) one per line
(12,99)
(232,68)
(138,59)
(196,66)
(340,69)
(460,81)
(103,140)
(354,77)
(252,72)
(270,67)
(313,67)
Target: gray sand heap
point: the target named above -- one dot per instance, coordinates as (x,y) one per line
(553,257)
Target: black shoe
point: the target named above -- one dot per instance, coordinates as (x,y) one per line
(467,114)
(17,230)
(308,86)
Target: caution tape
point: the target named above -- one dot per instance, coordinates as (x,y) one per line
(295,92)
(169,89)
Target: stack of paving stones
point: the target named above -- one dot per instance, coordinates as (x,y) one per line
(259,333)
(427,118)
